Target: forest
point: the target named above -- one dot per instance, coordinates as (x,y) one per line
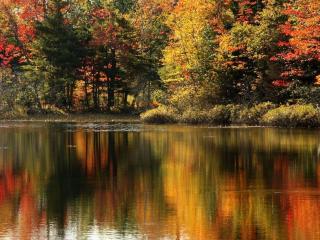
(191,61)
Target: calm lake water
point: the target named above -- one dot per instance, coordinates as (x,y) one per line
(95,181)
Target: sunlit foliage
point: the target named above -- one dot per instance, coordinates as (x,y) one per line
(120,55)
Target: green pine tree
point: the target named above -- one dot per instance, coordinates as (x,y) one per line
(60,46)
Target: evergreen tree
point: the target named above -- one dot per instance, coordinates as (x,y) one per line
(60,46)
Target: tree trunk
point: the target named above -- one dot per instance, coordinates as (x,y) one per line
(111,79)
(69,99)
(125,99)
(95,91)
(86,94)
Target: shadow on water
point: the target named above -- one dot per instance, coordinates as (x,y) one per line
(133,181)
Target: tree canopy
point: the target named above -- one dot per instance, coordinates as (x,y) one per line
(128,54)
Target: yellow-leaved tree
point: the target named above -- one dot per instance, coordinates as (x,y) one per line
(188,21)
(195,25)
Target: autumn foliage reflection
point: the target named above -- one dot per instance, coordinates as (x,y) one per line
(173,182)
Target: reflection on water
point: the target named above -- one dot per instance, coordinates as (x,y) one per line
(149,182)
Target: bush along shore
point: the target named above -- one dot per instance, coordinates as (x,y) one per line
(263,114)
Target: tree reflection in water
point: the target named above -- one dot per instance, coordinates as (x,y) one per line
(179,182)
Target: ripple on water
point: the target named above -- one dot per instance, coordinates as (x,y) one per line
(112,127)
(98,127)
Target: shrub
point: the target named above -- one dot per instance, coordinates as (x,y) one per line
(161,114)
(186,98)
(292,116)
(265,113)
(234,112)
(193,116)
(218,115)
(14,113)
(253,115)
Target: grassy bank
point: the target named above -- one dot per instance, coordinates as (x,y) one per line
(264,114)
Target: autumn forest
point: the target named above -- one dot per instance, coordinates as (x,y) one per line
(181,55)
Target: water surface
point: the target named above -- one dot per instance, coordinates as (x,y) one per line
(131,181)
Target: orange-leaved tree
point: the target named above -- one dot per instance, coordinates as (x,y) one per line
(301,48)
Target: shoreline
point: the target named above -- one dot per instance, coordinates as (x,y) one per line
(197,118)
(94,118)
(137,120)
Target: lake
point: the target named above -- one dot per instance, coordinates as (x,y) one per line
(134,181)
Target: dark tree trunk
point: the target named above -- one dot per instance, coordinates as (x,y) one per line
(86,94)
(69,99)
(112,78)
(96,95)
(125,99)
